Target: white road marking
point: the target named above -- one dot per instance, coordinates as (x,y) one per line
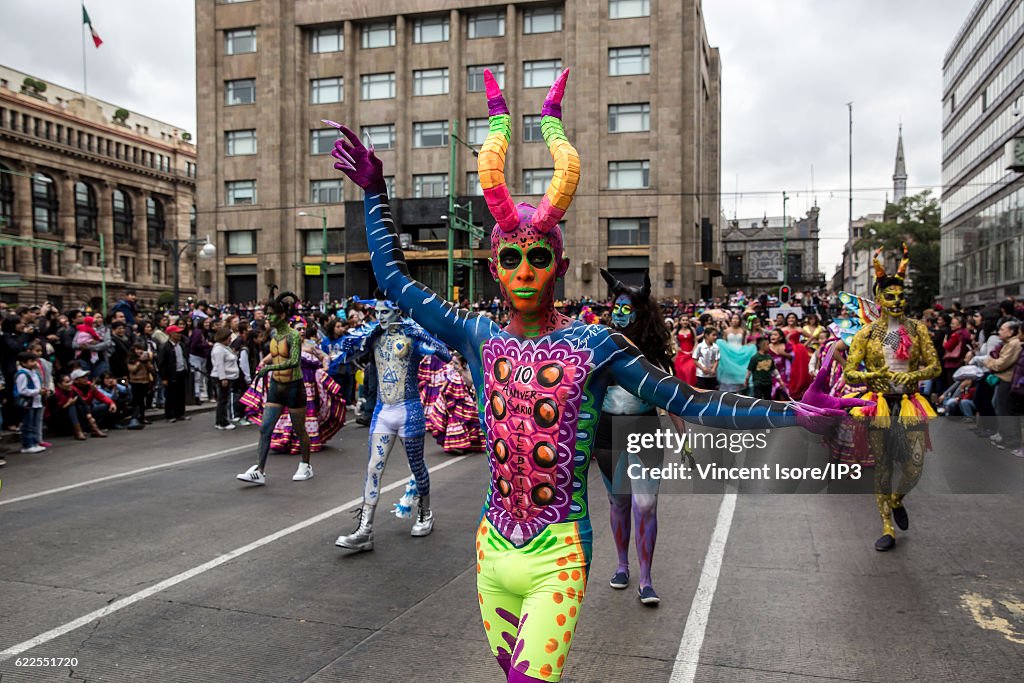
(130,473)
(119,605)
(685,668)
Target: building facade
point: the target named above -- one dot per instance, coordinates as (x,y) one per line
(760,254)
(77,173)
(982,201)
(642,107)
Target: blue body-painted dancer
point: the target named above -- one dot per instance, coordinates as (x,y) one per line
(398,346)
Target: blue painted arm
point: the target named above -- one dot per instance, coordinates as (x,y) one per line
(457,328)
(711,408)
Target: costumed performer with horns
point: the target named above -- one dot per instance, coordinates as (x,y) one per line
(541,382)
(897,354)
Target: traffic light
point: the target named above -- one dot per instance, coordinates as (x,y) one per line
(784,293)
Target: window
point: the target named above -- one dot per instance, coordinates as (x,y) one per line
(629,118)
(430,134)
(193,228)
(314,238)
(629,61)
(626,9)
(487,25)
(155,221)
(378,86)
(327,40)
(473,187)
(123,217)
(240,142)
(536,180)
(475,76)
(476,131)
(242,91)
(240,192)
(389,183)
(241,243)
(628,175)
(430,185)
(125,264)
(158,272)
(531,129)
(322,141)
(542,73)
(44,203)
(430,82)
(381,136)
(378,35)
(240,41)
(542,20)
(624,232)
(430,30)
(86,212)
(325,191)
(6,200)
(326,90)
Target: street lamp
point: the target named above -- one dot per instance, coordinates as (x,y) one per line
(323,252)
(178,247)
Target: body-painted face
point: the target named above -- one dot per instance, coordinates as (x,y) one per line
(893,300)
(527,270)
(623,314)
(387,313)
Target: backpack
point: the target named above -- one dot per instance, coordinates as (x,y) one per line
(23,401)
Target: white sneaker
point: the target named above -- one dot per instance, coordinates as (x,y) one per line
(218,427)
(253,476)
(34,449)
(228,427)
(996,438)
(304,472)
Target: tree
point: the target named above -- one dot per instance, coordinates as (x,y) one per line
(121,116)
(914,220)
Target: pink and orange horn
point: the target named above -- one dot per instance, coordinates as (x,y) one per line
(566,179)
(491,160)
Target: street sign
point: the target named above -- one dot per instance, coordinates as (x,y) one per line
(312,270)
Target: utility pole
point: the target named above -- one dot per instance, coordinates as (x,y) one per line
(785,241)
(452,137)
(457,222)
(849,224)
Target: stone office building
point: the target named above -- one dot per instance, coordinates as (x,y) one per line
(642,107)
(761,253)
(74,169)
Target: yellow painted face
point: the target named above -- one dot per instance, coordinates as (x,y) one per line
(893,300)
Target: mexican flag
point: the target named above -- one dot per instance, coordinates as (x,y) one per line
(86,20)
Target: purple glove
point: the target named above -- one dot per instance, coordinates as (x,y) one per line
(819,410)
(357,161)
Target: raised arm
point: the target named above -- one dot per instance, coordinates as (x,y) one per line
(458,328)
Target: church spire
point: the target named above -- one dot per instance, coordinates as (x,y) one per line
(899,178)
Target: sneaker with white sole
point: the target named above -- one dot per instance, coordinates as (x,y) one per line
(304,472)
(1019,452)
(33,449)
(996,438)
(253,476)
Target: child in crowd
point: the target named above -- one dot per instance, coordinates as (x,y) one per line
(762,371)
(29,392)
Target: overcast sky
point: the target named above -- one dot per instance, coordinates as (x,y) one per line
(789,67)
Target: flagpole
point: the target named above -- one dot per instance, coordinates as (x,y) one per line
(85,79)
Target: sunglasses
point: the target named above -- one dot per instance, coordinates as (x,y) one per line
(538,257)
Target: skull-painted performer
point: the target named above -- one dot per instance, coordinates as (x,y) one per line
(897,354)
(637,317)
(398,347)
(286,390)
(540,382)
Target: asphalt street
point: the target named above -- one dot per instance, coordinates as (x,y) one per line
(141,557)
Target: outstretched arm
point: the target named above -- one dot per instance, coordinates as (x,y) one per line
(716,408)
(457,328)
